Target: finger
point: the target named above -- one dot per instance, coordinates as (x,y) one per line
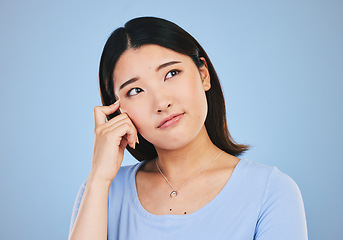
(123,143)
(131,134)
(114,120)
(100,112)
(126,131)
(111,122)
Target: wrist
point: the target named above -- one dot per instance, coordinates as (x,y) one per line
(98,182)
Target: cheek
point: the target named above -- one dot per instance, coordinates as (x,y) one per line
(193,94)
(137,111)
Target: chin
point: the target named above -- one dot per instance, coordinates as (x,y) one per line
(175,141)
(170,146)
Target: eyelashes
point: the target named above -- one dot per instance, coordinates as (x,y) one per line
(135,91)
(172,73)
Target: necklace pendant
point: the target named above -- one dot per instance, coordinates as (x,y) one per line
(173,194)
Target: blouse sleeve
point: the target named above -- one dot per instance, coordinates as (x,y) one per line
(76,206)
(282,215)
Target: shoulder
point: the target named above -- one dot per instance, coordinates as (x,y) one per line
(253,174)
(126,170)
(281,183)
(273,182)
(281,210)
(125,177)
(269,173)
(282,213)
(267,185)
(282,192)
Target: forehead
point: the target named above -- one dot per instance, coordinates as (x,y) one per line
(134,62)
(150,51)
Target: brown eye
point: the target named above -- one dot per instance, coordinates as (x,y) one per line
(172,73)
(133,92)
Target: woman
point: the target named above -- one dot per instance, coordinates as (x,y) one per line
(163,102)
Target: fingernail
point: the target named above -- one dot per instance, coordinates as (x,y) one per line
(134,146)
(115,102)
(137,141)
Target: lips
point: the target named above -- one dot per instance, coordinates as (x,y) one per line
(170,120)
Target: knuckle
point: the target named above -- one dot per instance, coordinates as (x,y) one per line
(127,125)
(97,131)
(130,127)
(124,115)
(96,108)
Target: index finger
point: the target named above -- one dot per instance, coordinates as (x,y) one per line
(100,113)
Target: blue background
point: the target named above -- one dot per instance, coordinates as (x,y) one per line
(280,64)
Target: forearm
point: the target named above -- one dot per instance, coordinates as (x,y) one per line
(91,220)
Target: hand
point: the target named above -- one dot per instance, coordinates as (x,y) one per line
(110,140)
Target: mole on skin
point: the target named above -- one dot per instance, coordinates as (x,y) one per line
(172,209)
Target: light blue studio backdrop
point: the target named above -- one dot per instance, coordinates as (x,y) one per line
(280,64)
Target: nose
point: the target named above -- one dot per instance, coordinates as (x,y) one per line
(163,101)
(162,109)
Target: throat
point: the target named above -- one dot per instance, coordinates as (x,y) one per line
(179,164)
(175,193)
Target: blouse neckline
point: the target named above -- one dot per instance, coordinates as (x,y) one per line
(141,210)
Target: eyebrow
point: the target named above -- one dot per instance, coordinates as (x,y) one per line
(166,65)
(132,80)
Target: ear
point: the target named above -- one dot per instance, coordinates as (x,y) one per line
(205,75)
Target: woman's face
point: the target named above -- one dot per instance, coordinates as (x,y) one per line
(163,92)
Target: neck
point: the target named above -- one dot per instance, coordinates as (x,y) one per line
(179,164)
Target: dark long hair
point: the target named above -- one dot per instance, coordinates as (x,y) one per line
(151,30)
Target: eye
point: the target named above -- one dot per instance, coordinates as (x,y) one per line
(133,92)
(172,73)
